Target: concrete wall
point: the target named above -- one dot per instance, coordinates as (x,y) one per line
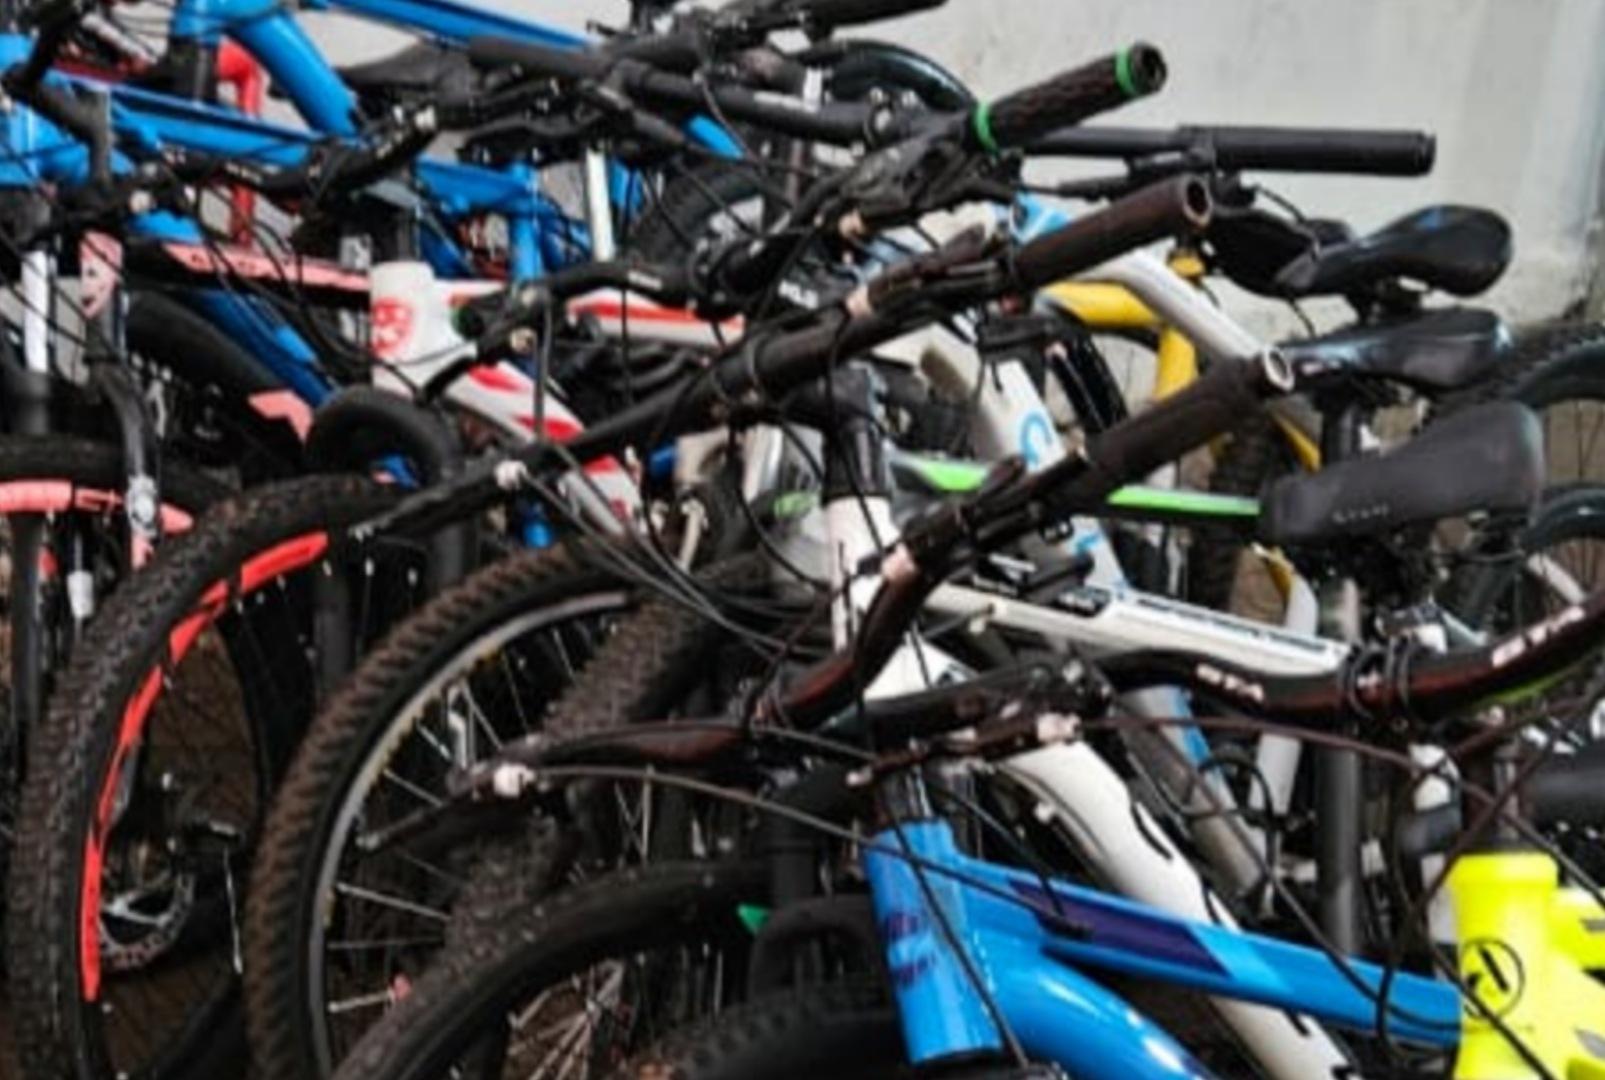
(1514,89)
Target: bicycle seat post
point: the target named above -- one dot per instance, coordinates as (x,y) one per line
(1339,784)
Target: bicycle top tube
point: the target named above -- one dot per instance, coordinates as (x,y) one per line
(270,33)
(446,20)
(34,150)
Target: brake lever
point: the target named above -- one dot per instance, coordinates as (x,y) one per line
(617,116)
(898,185)
(93,205)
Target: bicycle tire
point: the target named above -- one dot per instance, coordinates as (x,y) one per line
(221,420)
(44,475)
(68,462)
(847,1030)
(682,211)
(649,908)
(1569,371)
(1254,455)
(1566,515)
(108,694)
(641,669)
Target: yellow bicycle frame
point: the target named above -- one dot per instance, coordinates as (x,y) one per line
(1102,305)
(1526,948)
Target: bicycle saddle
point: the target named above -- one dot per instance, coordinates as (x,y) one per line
(1488,458)
(1459,249)
(1432,353)
(420,70)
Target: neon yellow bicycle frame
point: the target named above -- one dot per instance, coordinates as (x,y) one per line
(1526,948)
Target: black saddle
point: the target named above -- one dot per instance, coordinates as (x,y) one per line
(1459,249)
(1488,458)
(418,72)
(1431,353)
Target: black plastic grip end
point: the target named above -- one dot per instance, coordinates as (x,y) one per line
(1140,70)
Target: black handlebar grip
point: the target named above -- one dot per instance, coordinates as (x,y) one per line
(1213,405)
(1177,205)
(571,65)
(837,13)
(1569,789)
(838,122)
(1068,98)
(1276,149)
(1380,153)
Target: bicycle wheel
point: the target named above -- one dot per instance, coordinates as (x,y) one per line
(576,985)
(147,785)
(333,928)
(713,202)
(847,1031)
(1558,560)
(213,402)
(69,492)
(1560,374)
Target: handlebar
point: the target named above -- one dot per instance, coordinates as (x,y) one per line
(1430,687)
(1068,98)
(1010,121)
(1173,206)
(836,14)
(838,123)
(1287,149)
(764,367)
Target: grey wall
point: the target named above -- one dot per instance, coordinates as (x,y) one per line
(1514,89)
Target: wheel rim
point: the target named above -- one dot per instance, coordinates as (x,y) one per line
(405,762)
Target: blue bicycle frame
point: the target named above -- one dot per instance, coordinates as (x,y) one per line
(540,237)
(269,32)
(36,152)
(1029,941)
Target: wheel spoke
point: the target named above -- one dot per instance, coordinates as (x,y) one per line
(398,903)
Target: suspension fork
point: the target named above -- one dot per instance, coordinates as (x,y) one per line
(106,308)
(27,403)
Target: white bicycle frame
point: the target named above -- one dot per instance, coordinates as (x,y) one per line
(1120,840)
(1072,783)
(414,336)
